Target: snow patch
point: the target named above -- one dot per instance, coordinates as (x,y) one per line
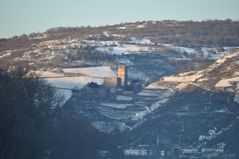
(143,41)
(125,62)
(105,127)
(116,105)
(124,49)
(158,104)
(155,86)
(226,82)
(124,98)
(236,98)
(5,55)
(181,86)
(66,94)
(121,28)
(140,26)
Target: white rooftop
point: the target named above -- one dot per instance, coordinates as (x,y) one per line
(99,72)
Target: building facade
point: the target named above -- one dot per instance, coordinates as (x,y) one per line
(122,75)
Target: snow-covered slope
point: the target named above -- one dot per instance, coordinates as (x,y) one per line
(220,76)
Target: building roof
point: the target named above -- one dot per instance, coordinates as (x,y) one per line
(99,72)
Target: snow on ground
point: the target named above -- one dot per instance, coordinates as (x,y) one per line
(126,62)
(213,54)
(65,94)
(235,74)
(47,74)
(116,105)
(105,33)
(202,79)
(100,42)
(124,98)
(226,82)
(72,82)
(5,55)
(115,114)
(99,72)
(117,35)
(140,26)
(179,48)
(155,86)
(185,49)
(210,53)
(148,93)
(64,84)
(121,28)
(206,50)
(158,104)
(236,98)
(213,133)
(105,127)
(189,78)
(141,114)
(143,41)
(181,86)
(163,96)
(124,49)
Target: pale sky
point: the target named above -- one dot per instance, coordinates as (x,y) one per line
(25,16)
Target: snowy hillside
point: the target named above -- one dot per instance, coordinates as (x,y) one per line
(221,75)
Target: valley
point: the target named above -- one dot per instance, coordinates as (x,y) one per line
(156,89)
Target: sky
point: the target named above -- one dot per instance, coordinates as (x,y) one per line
(19,17)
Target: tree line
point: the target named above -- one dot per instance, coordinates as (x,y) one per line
(34,125)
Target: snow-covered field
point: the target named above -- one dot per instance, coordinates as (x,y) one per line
(99,72)
(78,78)
(143,41)
(47,74)
(194,77)
(73,82)
(213,54)
(179,48)
(125,49)
(210,53)
(75,78)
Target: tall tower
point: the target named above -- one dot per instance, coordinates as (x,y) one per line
(122,75)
